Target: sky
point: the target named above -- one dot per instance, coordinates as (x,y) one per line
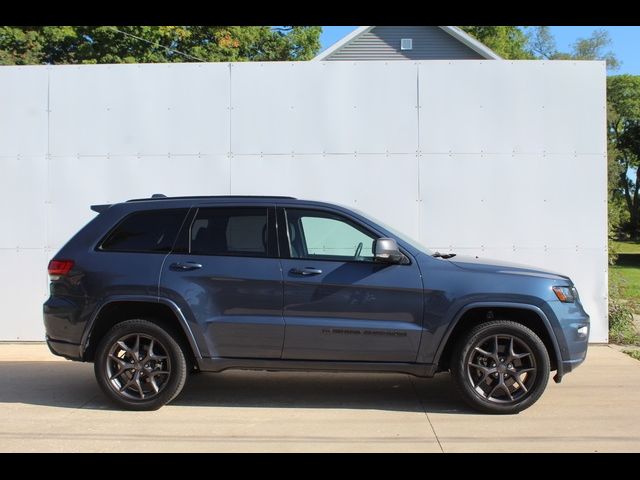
(625,42)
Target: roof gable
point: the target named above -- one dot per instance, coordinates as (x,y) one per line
(459,35)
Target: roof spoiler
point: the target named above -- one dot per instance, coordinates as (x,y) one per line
(100,208)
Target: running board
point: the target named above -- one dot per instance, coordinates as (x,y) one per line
(220,364)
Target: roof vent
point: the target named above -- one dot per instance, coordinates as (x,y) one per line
(406,44)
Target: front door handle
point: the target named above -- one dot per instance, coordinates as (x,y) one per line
(305,271)
(185,267)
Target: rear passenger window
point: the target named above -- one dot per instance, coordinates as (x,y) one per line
(230,231)
(149,231)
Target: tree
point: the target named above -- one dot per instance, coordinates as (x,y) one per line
(543,45)
(151,44)
(509,42)
(623,124)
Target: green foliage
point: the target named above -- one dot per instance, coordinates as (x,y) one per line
(623,94)
(525,43)
(633,353)
(543,45)
(623,128)
(621,328)
(541,42)
(155,44)
(593,48)
(509,42)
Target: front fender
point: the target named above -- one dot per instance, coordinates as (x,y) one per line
(489,304)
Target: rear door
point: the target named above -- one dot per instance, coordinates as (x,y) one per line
(338,303)
(224,272)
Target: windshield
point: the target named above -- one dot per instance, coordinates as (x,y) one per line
(405,238)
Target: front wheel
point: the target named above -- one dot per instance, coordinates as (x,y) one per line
(139,365)
(500,367)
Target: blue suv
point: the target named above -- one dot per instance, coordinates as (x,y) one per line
(153,289)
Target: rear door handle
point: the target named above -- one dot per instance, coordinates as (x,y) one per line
(305,271)
(185,267)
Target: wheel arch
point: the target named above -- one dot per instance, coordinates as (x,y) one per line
(123,307)
(525,314)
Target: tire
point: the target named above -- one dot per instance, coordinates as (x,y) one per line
(149,382)
(487,361)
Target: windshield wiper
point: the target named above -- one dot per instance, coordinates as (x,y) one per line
(443,255)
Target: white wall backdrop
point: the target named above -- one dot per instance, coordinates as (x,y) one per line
(498,159)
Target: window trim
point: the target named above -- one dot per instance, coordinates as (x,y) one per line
(272,250)
(98,246)
(286,251)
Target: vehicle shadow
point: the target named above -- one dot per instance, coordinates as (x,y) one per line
(72,385)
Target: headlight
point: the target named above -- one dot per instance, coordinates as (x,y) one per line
(566,294)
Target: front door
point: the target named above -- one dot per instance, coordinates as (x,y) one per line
(227,276)
(338,303)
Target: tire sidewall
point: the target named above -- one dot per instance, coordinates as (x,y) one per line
(176,356)
(464,351)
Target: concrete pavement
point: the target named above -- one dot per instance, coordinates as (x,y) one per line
(49,404)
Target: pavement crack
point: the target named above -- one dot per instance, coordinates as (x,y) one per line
(415,390)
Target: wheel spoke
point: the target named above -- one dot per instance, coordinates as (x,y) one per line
(483,352)
(516,377)
(501,385)
(136,348)
(149,354)
(493,391)
(125,347)
(116,358)
(520,356)
(128,384)
(122,367)
(485,375)
(138,366)
(497,375)
(525,370)
(154,385)
(479,367)
(139,386)
(485,372)
(506,389)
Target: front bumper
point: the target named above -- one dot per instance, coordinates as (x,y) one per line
(573,336)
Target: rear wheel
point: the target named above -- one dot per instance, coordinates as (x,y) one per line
(500,367)
(139,365)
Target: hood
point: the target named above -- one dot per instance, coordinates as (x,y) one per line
(477,264)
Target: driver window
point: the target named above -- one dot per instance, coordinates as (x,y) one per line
(324,236)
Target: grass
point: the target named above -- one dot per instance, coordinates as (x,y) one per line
(630,276)
(627,247)
(633,353)
(624,289)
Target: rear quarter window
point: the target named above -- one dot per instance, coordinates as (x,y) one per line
(151,231)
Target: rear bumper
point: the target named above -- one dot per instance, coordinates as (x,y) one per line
(70,351)
(62,326)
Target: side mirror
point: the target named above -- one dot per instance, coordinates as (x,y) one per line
(386,250)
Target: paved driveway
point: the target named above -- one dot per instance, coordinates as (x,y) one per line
(55,405)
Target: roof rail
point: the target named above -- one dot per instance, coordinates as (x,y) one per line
(159,196)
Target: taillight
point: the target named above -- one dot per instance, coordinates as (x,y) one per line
(59,268)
